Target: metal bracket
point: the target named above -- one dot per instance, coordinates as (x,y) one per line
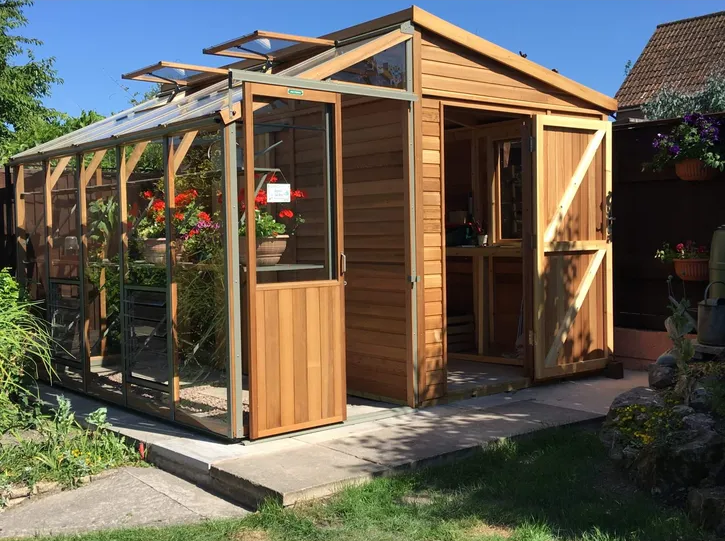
(413,279)
(532,143)
(407,28)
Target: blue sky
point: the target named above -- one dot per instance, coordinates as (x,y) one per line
(94,42)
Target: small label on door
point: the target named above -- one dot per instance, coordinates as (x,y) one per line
(278,193)
(295,92)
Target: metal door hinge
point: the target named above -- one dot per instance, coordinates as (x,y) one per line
(532,143)
(532,338)
(413,279)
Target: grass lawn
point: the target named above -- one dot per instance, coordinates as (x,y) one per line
(554,485)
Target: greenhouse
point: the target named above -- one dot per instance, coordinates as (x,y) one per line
(261,241)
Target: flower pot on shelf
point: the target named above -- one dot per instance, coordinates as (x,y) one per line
(154,251)
(269,250)
(693,169)
(692,270)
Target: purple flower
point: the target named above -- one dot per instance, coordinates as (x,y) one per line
(675,150)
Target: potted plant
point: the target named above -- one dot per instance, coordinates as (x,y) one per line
(694,146)
(151,228)
(689,259)
(271,232)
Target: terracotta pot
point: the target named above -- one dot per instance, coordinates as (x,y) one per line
(269,250)
(154,251)
(693,169)
(692,270)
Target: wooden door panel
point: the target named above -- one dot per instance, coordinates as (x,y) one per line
(299,358)
(572,321)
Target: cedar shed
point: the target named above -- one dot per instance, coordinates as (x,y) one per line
(431,221)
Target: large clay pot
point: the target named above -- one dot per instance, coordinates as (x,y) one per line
(269,250)
(692,270)
(154,251)
(693,169)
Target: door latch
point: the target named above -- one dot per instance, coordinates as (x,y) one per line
(343,263)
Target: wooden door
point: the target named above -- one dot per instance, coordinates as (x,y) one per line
(571,327)
(296,306)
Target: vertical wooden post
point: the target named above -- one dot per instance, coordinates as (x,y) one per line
(82,182)
(171,287)
(121,178)
(230,231)
(20,234)
(251,270)
(339,244)
(608,262)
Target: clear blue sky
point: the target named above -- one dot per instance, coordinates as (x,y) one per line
(94,42)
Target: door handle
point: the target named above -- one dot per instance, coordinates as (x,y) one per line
(343,263)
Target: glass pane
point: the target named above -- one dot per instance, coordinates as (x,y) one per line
(151,401)
(511,194)
(64,310)
(71,378)
(198,272)
(102,278)
(293,211)
(386,68)
(175,74)
(265,46)
(65,251)
(145,290)
(33,265)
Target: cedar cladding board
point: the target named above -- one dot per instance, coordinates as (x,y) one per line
(681,55)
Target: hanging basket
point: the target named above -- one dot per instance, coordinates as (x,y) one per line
(693,169)
(269,250)
(692,270)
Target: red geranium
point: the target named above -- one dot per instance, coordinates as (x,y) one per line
(298,194)
(204,216)
(148,194)
(179,216)
(286,213)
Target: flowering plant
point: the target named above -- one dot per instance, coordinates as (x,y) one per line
(696,137)
(203,239)
(686,250)
(187,214)
(266,223)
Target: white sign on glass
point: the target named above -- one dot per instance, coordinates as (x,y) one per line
(278,193)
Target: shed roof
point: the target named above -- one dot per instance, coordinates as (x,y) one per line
(680,54)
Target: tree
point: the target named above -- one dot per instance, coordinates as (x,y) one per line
(24,79)
(671,103)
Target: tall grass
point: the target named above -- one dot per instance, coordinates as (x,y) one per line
(25,345)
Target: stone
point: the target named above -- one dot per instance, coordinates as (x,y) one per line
(700,398)
(698,421)
(682,411)
(667,359)
(706,507)
(661,377)
(642,396)
(693,455)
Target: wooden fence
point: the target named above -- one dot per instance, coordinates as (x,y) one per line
(649,209)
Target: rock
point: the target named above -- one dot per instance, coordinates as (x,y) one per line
(698,421)
(692,456)
(706,507)
(667,359)
(700,398)
(682,411)
(642,396)
(661,377)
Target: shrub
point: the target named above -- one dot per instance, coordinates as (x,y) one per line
(24,344)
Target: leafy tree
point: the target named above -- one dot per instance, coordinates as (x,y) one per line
(24,79)
(671,103)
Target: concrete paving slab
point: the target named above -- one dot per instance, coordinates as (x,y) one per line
(307,472)
(436,437)
(129,497)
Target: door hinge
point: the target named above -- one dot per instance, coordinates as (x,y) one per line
(532,143)
(532,338)
(413,279)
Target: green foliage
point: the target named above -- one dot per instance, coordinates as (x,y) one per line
(670,103)
(24,79)
(24,344)
(265,225)
(63,451)
(646,425)
(683,250)
(103,220)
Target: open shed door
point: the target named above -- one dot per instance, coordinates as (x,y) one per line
(572,261)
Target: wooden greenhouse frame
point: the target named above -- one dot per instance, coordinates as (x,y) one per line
(365,309)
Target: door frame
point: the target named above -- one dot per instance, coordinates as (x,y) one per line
(276,89)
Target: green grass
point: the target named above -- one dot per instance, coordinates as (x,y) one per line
(555,485)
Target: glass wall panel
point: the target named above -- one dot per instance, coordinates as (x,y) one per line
(294,225)
(510,188)
(199,292)
(34,264)
(101,243)
(145,300)
(64,311)
(386,68)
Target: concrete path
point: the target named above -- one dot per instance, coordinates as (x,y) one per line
(129,497)
(317,463)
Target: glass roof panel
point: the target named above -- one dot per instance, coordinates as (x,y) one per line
(175,74)
(263,43)
(265,46)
